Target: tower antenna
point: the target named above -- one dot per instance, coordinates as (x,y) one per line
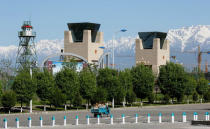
(26,56)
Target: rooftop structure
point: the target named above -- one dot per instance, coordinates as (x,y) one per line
(85,40)
(152,50)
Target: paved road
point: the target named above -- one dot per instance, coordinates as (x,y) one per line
(128,126)
(129,118)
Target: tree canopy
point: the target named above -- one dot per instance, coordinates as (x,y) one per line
(45,84)
(87,84)
(24,86)
(190,85)
(8,99)
(108,79)
(143,81)
(68,81)
(172,79)
(202,86)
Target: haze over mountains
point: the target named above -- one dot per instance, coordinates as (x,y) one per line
(183,45)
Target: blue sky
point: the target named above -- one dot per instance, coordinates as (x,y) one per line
(49,17)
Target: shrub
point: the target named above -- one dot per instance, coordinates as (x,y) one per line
(151,98)
(166,99)
(207,96)
(100,96)
(77,101)
(57,98)
(180,98)
(130,97)
(8,99)
(195,96)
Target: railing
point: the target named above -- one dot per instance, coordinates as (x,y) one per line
(26,33)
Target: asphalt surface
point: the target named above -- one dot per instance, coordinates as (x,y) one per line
(105,121)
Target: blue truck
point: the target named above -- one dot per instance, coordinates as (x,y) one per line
(100,110)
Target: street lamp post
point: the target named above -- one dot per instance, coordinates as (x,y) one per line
(113,38)
(31,99)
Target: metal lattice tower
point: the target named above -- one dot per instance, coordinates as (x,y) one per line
(26,56)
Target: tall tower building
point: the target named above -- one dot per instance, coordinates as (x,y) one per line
(26,56)
(152,49)
(84,39)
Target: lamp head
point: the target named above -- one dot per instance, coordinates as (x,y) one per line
(123,30)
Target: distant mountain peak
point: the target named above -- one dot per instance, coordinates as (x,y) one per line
(181,40)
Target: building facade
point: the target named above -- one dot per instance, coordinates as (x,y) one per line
(85,40)
(152,50)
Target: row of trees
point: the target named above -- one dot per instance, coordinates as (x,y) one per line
(95,86)
(174,82)
(102,85)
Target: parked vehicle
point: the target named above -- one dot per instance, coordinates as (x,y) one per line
(100,109)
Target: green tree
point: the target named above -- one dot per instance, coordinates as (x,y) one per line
(45,83)
(1,92)
(108,79)
(151,98)
(125,78)
(197,74)
(100,96)
(130,97)
(57,97)
(195,96)
(120,96)
(87,84)
(207,96)
(8,99)
(24,87)
(77,101)
(190,86)
(166,99)
(171,80)
(143,81)
(202,87)
(68,81)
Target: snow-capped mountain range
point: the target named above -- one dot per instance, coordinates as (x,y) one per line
(183,45)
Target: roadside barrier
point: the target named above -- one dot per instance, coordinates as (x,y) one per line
(195,116)
(88,119)
(41,121)
(184,117)
(207,116)
(111,119)
(160,117)
(148,118)
(64,120)
(98,119)
(123,119)
(5,122)
(29,122)
(53,120)
(77,120)
(17,122)
(136,116)
(172,117)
